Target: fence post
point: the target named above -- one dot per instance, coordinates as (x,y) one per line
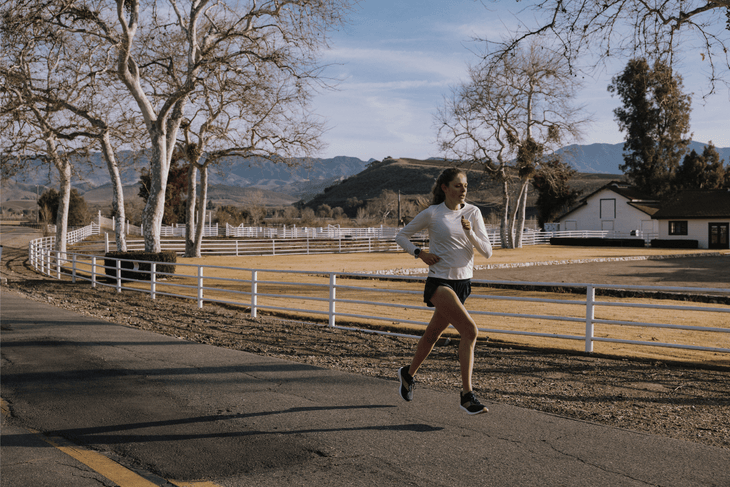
(93,272)
(307,244)
(254,291)
(58,264)
(590,299)
(200,286)
(339,244)
(119,275)
(73,268)
(106,242)
(273,247)
(153,280)
(333,296)
(236,245)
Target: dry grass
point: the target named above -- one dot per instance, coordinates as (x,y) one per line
(295,291)
(400,260)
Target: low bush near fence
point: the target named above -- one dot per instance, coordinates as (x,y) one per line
(598,242)
(137,265)
(675,244)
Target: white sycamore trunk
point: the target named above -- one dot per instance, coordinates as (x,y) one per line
(120,229)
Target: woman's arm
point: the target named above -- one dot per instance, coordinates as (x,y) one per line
(476,232)
(403,239)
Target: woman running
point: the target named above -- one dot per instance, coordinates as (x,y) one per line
(455,228)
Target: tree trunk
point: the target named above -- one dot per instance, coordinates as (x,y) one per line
(515,230)
(521,211)
(190,211)
(202,203)
(504,224)
(120,229)
(154,210)
(64,197)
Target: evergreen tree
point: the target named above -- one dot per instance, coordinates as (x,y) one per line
(701,171)
(78,211)
(554,192)
(655,119)
(175,192)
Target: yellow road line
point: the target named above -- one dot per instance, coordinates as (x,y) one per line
(5,407)
(204,483)
(102,465)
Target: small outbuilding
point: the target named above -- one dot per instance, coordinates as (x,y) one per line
(616,208)
(701,215)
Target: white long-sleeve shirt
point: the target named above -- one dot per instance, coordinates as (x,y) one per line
(448,239)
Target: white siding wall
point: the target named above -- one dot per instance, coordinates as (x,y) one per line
(696,230)
(597,214)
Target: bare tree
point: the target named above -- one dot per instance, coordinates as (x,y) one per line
(168,50)
(244,111)
(658,29)
(383,207)
(33,124)
(511,112)
(80,86)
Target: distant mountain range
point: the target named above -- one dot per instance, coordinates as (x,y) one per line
(297,179)
(300,180)
(606,158)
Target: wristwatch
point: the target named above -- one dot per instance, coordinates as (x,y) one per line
(417,252)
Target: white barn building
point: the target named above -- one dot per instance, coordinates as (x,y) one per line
(702,215)
(616,208)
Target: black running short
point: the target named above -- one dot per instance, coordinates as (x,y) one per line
(462,288)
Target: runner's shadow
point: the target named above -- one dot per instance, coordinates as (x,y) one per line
(180,429)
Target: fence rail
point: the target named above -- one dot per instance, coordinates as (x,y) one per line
(278,246)
(276,241)
(361,300)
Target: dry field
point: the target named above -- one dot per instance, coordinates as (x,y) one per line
(302,294)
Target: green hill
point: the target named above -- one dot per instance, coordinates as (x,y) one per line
(412,177)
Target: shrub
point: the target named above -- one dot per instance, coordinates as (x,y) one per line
(675,244)
(136,265)
(598,242)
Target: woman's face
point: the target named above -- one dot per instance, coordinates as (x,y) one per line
(455,191)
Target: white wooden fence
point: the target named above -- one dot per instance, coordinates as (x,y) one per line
(110,224)
(298,246)
(294,240)
(342,296)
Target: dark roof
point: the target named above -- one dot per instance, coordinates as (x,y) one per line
(640,201)
(628,192)
(714,203)
(649,207)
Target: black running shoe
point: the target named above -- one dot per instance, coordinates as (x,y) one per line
(406,384)
(471,404)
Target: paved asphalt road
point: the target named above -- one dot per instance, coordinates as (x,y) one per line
(175,411)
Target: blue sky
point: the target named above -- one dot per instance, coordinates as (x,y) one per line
(396,59)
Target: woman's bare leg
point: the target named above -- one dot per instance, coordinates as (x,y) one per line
(433,332)
(449,310)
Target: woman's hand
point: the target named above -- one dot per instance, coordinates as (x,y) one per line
(428,257)
(465,224)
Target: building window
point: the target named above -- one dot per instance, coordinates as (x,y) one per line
(678,228)
(608,209)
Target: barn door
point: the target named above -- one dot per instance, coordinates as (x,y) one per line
(719,236)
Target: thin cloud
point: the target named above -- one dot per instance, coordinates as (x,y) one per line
(398,61)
